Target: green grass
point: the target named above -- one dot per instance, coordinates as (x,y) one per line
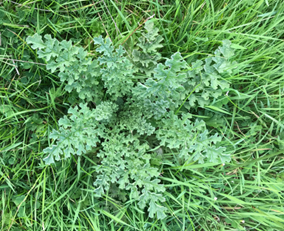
(246,194)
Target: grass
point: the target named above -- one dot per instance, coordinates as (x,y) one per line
(246,194)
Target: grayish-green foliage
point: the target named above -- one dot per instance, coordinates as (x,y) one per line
(165,90)
(208,77)
(191,139)
(130,119)
(118,71)
(81,73)
(147,56)
(76,135)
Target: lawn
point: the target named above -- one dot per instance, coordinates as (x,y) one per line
(239,188)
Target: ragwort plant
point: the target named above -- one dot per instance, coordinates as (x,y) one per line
(129,120)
